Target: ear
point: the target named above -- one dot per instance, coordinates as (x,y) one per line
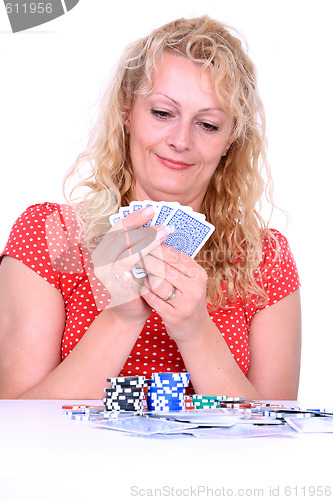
(126,128)
(226,149)
(128,123)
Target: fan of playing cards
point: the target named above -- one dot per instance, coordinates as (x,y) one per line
(191,230)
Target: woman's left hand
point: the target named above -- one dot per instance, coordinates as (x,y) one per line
(176,288)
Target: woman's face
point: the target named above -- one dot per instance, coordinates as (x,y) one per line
(178,133)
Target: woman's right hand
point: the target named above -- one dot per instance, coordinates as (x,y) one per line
(124,246)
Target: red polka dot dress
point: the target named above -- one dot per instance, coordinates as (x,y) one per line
(44,238)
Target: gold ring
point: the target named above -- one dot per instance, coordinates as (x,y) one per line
(171,295)
(116,274)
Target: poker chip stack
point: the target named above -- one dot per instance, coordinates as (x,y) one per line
(202,402)
(188,402)
(167,392)
(236,403)
(126,394)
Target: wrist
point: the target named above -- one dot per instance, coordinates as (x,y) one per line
(130,323)
(196,338)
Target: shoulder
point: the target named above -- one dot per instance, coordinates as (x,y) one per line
(276,251)
(274,241)
(277,274)
(278,270)
(42,220)
(41,211)
(40,237)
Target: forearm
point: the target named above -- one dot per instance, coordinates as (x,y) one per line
(101,353)
(211,365)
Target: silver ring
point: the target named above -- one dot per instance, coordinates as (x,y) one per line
(171,295)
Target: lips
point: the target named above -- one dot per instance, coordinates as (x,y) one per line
(174,164)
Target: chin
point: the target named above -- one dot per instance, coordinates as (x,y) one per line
(169,195)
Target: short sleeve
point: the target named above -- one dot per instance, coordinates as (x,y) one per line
(38,237)
(278,272)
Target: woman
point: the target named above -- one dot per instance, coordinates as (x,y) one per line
(181,121)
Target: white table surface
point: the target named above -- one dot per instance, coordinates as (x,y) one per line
(44,455)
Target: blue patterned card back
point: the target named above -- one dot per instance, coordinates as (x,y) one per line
(190,234)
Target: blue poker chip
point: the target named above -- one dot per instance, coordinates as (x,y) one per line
(166,390)
(167,385)
(165,408)
(174,385)
(165,402)
(169,404)
(165,397)
(171,376)
(160,392)
(177,377)
(169,392)
(168,398)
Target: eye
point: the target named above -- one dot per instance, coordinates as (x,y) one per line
(160,114)
(209,127)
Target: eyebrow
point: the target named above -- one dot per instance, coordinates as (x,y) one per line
(203,110)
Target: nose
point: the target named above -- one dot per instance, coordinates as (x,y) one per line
(180,136)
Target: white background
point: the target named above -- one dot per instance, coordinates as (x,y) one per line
(51,79)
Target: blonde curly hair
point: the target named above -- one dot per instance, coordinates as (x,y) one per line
(232,255)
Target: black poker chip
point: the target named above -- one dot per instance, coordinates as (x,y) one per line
(139,380)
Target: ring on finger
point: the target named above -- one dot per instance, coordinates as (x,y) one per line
(125,277)
(171,295)
(116,274)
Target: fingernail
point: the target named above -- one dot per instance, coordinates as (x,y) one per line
(148,211)
(163,231)
(126,276)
